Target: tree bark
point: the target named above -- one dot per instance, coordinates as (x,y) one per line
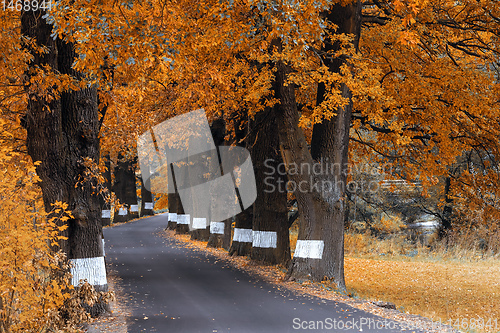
(196,176)
(242,234)
(446,225)
(62,133)
(173,208)
(217,239)
(271,240)
(105,205)
(146,195)
(322,203)
(125,190)
(242,237)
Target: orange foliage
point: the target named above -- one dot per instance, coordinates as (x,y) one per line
(34,284)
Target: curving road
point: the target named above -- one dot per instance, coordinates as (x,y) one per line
(175,289)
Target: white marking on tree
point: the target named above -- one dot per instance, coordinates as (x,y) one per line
(106,214)
(91,269)
(172,217)
(199,223)
(217,228)
(242,235)
(148,205)
(312,249)
(122,211)
(134,208)
(183,219)
(264,239)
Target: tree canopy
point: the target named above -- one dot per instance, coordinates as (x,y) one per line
(421,77)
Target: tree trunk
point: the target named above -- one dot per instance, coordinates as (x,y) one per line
(183,219)
(446,224)
(220,231)
(242,237)
(312,258)
(270,240)
(242,234)
(220,234)
(147,204)
(200,226)
(125,190)
(323,209)
(173,210)
(130,189)
(105,205)
(201,234)
(62,133)
(121,213)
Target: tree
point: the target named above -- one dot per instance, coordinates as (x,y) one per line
(174,208)
(271,240)
(324,211)
(125,189)
(105,193)
(433,101)
(220,231)
(147,204)
(62,124)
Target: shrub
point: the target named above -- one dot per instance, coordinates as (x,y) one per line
(35,290)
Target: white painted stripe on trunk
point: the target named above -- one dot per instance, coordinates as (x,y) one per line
(134,208)
(148,205)
(91,269)
(172,217)
(183,219)
(264,239)
(103,247)
(199,223)
(122,211)
(217,228)
(242,235)
(106,214)
(312,249)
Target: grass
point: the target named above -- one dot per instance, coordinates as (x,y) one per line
(458,284)
(444,291)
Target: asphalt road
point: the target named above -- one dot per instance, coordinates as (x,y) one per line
(174,289)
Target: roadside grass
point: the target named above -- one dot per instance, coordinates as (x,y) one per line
(459,294)
(457,284)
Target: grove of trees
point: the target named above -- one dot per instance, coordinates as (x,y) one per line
(412,83)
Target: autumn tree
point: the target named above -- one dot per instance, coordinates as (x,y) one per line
(270,239)
(220,231)
(433,106)
(62,124)
(125,189)
(105,193)
(241,244)
(147,204)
